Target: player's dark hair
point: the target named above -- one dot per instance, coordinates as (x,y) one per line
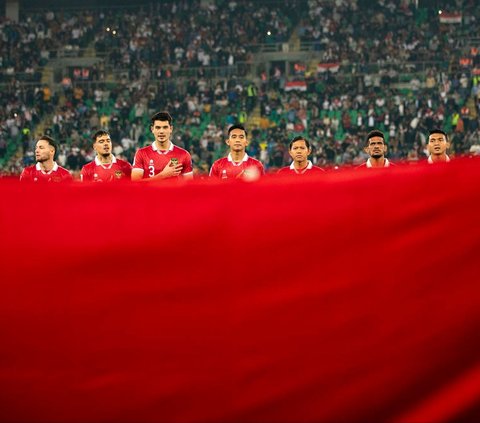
(163,116)
(99,133)
(237,126)
(299,138)
(51,142)
(374,133)
(438,131)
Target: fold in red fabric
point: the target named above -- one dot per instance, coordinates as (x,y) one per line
(350,296)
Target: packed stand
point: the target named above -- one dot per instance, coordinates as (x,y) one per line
(388,31)
(185,35)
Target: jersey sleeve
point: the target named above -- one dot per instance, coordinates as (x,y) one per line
(127,169)
(214,170)
(261,168)
(187,164)
(66,175)
(25,175)
(138,161)
(86,174)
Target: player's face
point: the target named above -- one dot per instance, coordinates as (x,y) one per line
(237,140)
(437,144)
(43,151)
(103,145)
(162,130)
(299,151)
(376,147)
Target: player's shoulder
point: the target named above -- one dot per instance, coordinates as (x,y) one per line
(176,149)
(64,171)
(29,169)
(123,163)
(220,161)
(145,149)
(317,169)
(27,172)
(252,160)
(89,165)
(284,170)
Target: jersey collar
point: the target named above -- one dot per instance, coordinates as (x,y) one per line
(98,163)
(230,159)
(386,164)
(54,168)
(154,146)
(309,166)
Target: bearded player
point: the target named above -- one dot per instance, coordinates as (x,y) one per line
(106,167)
(46,169)
(376,149)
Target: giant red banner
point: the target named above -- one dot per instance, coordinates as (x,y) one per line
(351,296)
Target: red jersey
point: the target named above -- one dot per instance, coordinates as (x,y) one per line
(226,168)
(95,171)
(310,169)
(34,173)
(152,160)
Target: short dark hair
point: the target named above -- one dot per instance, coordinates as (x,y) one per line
(237,126)
(99,133)
(438,131)
(163,116)
(299,138)
(50,141)
(374,133)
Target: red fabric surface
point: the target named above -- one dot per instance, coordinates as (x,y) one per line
(350,296)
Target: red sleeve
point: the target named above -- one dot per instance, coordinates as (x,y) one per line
(66,175)
(138,161)
(261,168)
(187,163)
(26,175)
(86,174)
(127,169)
(214,170)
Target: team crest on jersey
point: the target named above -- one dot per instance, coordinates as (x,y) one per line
(118,174)
(56,179)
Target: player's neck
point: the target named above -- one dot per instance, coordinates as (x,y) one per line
(105,159)
(237,156)
(300,165)
(377,162)
(47,165)
(164,145)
